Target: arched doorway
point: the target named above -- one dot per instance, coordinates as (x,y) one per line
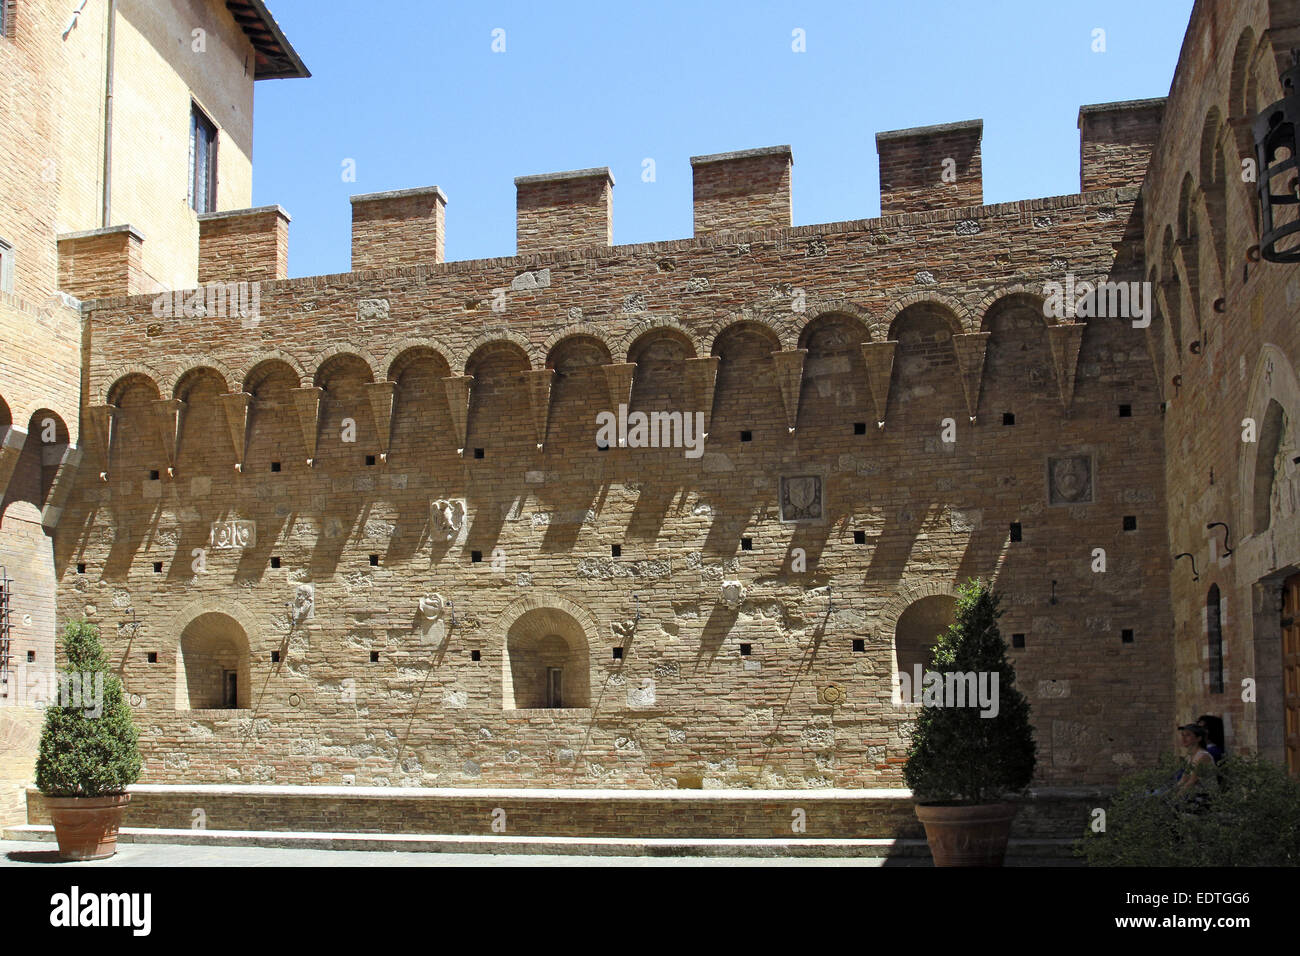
(212,671)
(547,664)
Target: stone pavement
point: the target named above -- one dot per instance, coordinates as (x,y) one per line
(17,853)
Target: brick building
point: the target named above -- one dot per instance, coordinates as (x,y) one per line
(367,532)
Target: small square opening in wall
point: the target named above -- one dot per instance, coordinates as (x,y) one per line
(746,544)
(1126,636)
(275,657)
(1126,411)
(153,657)
(275,562)
(478,452)
(1008,418)
(476,655)
(374,657)
(157,567)
(153,474)
(374,560)
(618,653)
(859,645)
(475,557)
(746,435)
(275,466)
(859,428)
(1130,523)
(81,569)
(31,657)
(615,550)
(1017,640)
(370,459)
(1015,531)
(746,650)
(859,537)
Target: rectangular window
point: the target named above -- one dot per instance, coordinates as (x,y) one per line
(6,255)
(554,687)
(203,162)
(7,18)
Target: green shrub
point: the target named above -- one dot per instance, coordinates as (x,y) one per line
(958,756)
(1252,820)
(89,746)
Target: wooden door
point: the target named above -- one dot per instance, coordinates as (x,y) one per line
(1291,672)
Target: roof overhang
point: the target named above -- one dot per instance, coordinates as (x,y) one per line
(276,57)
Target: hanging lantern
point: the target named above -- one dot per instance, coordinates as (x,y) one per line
(1275,133)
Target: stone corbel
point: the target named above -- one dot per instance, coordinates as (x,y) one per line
(789,376)
(65,476)
(239,409)
(459,388)
(1065,340)
(383,396)
(307,403)
(619,380)
(970,348)
(539,400)
(12,440)
(879,359)
(170,415)
(701,379)
(103,421)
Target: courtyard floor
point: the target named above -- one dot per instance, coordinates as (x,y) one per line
(29,853)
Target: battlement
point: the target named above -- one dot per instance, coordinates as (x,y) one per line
(927,170)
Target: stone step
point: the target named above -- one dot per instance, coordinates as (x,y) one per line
(710,815)
(548,845)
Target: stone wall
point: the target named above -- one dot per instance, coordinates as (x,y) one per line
(781,341)
(1225,341)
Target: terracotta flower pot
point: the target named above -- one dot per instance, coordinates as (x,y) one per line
(967,836)
(86,827)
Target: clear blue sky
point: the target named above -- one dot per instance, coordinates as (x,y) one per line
(413,92)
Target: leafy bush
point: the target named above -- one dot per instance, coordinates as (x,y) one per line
(89,746)
(1252,820)
(958,756)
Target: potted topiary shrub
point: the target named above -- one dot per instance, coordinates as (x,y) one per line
(89,751)
(967,756)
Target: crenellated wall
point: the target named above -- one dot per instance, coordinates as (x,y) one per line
(322,452)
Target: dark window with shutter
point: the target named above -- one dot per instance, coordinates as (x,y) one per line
(8,17)
(203,162)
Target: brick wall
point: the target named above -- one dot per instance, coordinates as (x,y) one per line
(401,228)
(748,189)
(100,263)
(564,210)
(930,166)
(244,245)
(1115,141)
(682,706)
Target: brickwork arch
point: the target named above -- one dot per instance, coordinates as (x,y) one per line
(924,307)
(528,630)
(342,350)
(959,312)
(116,377)
(909,594)
(781,338)
(627,344)
(825,314)
(1002,297)
(410,349)
(495,336)
(184,365)
(265,358)
(597,337)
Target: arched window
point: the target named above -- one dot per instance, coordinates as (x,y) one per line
(546,662)
(212,666)
(1271,433)
(1214,633)
(919,628)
